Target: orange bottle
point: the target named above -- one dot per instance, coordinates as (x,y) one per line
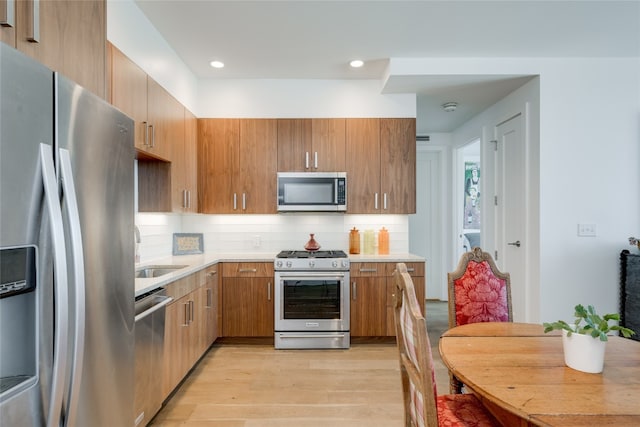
(383,241)
(354,241)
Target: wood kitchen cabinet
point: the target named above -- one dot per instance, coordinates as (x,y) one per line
(190,324)
(247,299)
(184,166)
(237,161)
(381,158)
(311,145)
(159,118)
(211,309)
(368,300)
(71,37)
(372,289)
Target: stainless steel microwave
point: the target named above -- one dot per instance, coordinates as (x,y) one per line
(312,191)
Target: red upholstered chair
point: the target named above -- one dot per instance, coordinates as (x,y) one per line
(478,292)
(423,407)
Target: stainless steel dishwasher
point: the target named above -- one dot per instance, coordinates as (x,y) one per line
(149,333)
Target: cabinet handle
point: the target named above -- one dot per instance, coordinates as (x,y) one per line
(184,198)
(384,201)
(306,160)
(368,270)
(410,269)
(375,201)
(33,26)
(353,291)
(186,314)
(189,198)
(146,134)
(269,291)
(244,201)
(209,297)
(212,273)
(191,314)
(247,270)
(9,18)
(315,159)
(235,201)
(153,137)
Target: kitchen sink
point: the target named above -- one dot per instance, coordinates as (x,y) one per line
(156,270)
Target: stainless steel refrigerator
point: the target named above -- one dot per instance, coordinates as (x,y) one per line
(66,252)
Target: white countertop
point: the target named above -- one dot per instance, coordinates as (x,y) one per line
(198,262)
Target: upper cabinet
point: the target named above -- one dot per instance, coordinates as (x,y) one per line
(237,160)
(67,36)
(380,158)
(184,167)
(311,145)
(158,116)
(129,93)
(398,165)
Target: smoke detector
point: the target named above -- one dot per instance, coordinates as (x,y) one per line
(450,107)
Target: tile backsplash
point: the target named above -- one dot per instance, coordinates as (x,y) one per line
(264,233)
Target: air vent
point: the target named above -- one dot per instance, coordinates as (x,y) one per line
(425,138)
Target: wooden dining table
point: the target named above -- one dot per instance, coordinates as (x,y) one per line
(518,373)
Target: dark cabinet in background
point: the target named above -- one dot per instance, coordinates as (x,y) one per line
(630,292)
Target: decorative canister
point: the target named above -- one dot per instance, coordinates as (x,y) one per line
(383,241)
(354,241)
(369,243)
(312,245)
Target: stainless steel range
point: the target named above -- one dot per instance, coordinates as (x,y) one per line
(311,300)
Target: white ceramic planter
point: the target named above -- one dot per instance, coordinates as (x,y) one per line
(583,352)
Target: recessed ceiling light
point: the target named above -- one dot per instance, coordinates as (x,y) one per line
(217,64)
(356,63)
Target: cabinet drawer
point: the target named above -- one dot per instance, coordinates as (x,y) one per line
(367,269)
(415,269)
(182,287)
(247,269)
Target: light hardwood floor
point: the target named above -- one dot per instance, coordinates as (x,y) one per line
(251,385)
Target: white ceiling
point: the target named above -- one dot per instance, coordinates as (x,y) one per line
(316,40)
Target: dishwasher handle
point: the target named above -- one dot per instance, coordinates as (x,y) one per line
(163,302)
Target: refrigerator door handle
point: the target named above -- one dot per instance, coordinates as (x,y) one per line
(61,339)
(77,251)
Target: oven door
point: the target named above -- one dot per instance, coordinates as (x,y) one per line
(312,309)
(312,301)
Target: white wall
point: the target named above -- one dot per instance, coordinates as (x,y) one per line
(588,157)
(131,32)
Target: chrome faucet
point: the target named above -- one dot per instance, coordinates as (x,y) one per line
(138,240)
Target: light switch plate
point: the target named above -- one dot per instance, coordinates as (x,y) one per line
(586,230)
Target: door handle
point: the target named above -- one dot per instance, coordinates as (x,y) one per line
(516,243)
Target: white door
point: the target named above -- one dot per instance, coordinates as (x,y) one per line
(425,227)
(511,212)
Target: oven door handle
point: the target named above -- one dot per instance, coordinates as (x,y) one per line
(302,275)
(289,335)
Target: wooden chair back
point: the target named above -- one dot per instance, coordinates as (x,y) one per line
(478,291)
(416,362)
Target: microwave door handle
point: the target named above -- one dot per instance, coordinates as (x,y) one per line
(61,284)
(335,193)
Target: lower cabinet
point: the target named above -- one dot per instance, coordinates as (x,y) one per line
(190,324)
(372,296)
(247,299)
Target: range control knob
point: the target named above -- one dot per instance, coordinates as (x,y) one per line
(334,264)
(289,264)
(345,263)
(279,264)
(312,263)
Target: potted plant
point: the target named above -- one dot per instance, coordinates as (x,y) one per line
(584,340)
